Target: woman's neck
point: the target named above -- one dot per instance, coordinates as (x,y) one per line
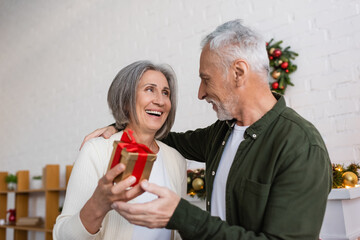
(147,139)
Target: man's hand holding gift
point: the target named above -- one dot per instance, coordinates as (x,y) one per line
(153,214)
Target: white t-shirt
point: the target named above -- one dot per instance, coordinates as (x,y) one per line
(158,176)
(218,206)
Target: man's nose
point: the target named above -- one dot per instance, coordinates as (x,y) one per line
(202,91)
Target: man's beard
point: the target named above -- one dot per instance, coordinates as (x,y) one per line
(222,112)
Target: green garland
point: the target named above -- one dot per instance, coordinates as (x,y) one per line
(281,65)
(196,183)
(339,170)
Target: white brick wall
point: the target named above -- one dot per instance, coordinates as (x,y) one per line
(58,59)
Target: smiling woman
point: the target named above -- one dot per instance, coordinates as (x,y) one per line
(152,104)
(142,98)
(123,92)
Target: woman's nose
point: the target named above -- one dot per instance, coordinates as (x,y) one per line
(159,99)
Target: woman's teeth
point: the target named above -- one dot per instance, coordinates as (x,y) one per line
(155,113)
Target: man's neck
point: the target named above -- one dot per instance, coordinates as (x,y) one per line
(255,108)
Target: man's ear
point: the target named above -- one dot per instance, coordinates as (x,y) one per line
(241,70)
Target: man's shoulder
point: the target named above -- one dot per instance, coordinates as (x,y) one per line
(299,127)
(216,125)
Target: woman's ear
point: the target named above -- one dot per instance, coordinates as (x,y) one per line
(241,70)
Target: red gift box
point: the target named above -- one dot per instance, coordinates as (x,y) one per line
(137,158)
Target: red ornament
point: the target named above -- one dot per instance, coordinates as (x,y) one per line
(277,53)
(275,85)
(12,215)
(287,70)
(284,65)
(271,57)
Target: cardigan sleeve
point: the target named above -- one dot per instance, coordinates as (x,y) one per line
(82,183)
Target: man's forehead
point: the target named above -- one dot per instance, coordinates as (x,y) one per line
(208,61)
(206,58)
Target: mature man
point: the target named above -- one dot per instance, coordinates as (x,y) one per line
(268,172)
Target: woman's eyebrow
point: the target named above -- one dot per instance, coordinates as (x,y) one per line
(149,84)
(155,85)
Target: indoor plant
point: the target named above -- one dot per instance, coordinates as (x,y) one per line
(36,182)
(11,181)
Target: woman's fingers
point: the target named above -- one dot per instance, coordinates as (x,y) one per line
(109,177)
(123,191)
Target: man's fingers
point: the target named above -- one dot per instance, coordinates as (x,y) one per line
(140,214)
(94,134)
(84,141)
(105,132)
(153,188)
(109,131)
(130,209)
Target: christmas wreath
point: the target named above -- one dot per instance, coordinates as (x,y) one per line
(196,183)
(281,65)
(345,176)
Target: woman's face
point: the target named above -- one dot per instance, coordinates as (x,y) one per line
(152,101)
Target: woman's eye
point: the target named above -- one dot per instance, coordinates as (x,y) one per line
(166,93)
(149,89)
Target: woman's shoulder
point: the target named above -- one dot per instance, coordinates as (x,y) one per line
(102,144)
(168,150)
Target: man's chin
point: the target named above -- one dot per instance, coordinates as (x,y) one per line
(221,114)
(223,117)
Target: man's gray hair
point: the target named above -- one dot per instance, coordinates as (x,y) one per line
(122,94)
(232,40)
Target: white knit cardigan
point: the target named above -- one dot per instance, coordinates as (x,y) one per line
(90,166)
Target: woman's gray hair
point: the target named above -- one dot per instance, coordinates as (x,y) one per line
(232,40)
(122,94)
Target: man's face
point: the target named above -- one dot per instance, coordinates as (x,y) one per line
(215,86)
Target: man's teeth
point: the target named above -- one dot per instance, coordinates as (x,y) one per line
(156,113)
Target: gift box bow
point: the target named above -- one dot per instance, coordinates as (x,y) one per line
(128,142)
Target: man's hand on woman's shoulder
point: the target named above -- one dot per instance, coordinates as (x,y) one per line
(105,132)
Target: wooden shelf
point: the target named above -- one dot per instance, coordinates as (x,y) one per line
(40,190)
(51,193)
(27,228)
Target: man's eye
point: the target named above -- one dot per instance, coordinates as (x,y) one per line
(205,80)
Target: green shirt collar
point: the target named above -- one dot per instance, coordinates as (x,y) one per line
(256,129)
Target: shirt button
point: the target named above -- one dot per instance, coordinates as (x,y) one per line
(254,135)
(213,173)
(223,143)
(208,203)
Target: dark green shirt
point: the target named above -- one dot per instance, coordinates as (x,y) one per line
(277,186)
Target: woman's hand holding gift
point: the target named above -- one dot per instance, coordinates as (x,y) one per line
(105,194)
